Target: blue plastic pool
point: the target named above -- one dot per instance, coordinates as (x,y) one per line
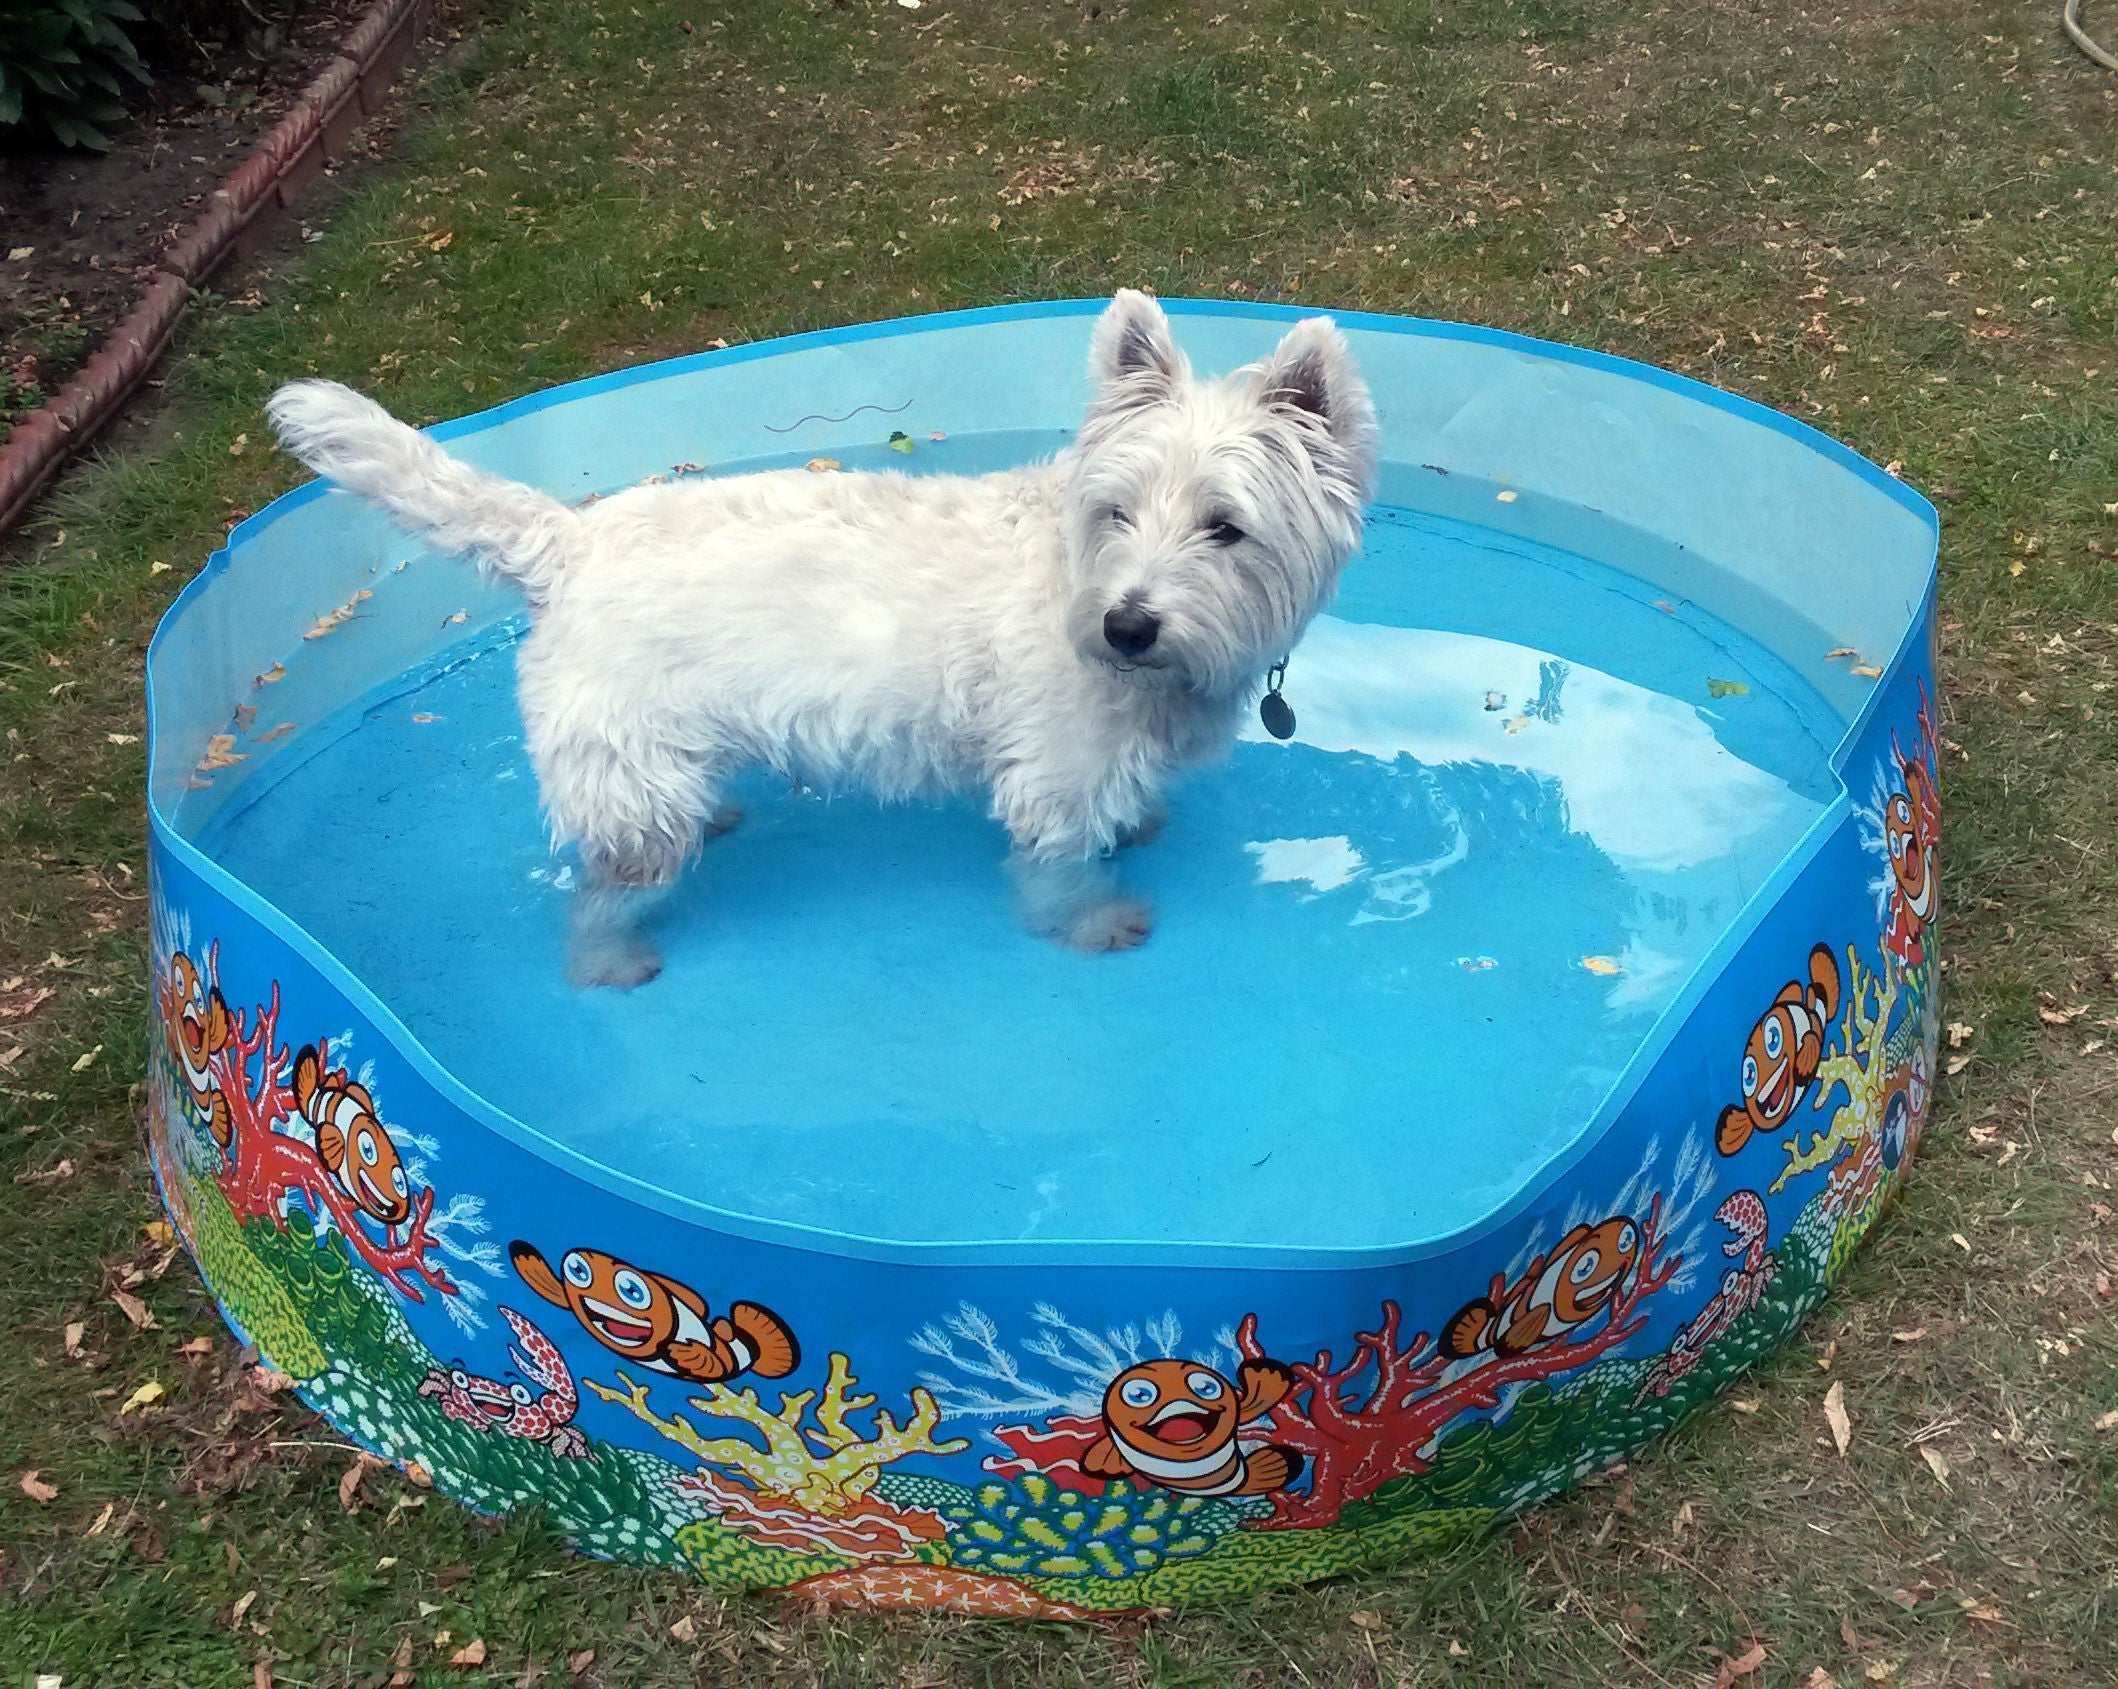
(1422,1128)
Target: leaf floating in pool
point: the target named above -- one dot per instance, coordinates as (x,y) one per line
(460,617)
(1606,966)
(937,436)
(1476,964)
(1867,671)
(220,753)
(1838,651)
(1496,700)
(1508,496)
(343,614)
(1726,688)
(424,716)
(1516,723)
(900,441)
(278,671)
(245,714)
(822,465)
(272,733)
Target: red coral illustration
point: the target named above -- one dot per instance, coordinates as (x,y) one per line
(1353,1446)
(250,1072)
(1054,1448)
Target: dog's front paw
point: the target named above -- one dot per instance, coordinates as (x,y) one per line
(1119,924)
(619,964)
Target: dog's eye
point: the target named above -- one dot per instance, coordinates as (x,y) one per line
(1117,516)
(1225,533)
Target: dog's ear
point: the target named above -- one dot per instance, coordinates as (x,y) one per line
(1311,370)
(1131,357)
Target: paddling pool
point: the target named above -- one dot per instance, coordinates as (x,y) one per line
(1522,1048)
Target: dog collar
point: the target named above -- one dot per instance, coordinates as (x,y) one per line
(1273,710)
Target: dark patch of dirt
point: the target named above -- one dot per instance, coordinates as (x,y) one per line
(80,231)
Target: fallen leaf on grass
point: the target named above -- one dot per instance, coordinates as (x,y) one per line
(1742,1665)
(2107,1421)
(1960,1241)
(103,1519)
(133,1309)
(349,1482)
(1368,1620)
(242,1606)
(86,1060)
(75,1331)
(1912,1336)
(150,1392)
(578,1663)
(34,1486)
(122,738)
(2062,1017)
(198,1346)
(472,1653)
(1960,1033)
(50,1176)
(401,1665)
(1957,1064)
(1881,1672)
(1937,1463)
(261,1673)
(1819,1678)
(1983,1611)
(1835,1417)
(684,1630)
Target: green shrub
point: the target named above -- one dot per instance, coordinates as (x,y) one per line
(64,65)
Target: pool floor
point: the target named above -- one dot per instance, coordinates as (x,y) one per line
(1398,964)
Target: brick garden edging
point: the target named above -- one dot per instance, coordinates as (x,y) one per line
(342,96)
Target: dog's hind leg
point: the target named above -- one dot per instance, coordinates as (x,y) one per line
(1146,829)
(605,944)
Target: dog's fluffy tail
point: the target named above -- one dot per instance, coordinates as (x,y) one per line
(513,531)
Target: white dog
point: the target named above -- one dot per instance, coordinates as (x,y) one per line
(1064,636)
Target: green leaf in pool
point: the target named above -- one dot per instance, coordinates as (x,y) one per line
(900,441)
(1726,688)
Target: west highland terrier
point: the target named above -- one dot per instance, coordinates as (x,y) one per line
(1065,635)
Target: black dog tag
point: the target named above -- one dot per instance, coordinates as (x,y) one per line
(1273,710)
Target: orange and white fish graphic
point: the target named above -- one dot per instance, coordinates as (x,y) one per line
(1912,837)
(656,1322)
(352,1144)
(1558,1293)
(1785,1048)
(199,1029)
(1174,1423)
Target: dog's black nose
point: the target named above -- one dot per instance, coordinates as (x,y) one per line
(1130,629)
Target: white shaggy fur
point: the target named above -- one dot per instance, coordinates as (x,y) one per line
(915,634)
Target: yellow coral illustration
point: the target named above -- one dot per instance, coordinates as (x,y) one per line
(828,1468)
(1862,1067)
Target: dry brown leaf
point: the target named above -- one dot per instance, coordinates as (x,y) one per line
(261,1672)
(278,671)
(53,1175)
(349,1482)
(1742,1665)
(1603,965)
(423,717)
(2107,1421)
(472,1653)
(1819,1678)
(578,1663)
(133,1309)
(1368,1620)
(1957,1064)
(1937,1463)
(272,733)
(34,1486)
(1838,651)
(684,1630)
(245,714)
(822,465)
(1867,671)
(75,1331)
(1835,1417)
(221,753)
(242,1605)
(103,1518)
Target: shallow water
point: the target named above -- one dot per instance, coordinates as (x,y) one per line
(1398,965)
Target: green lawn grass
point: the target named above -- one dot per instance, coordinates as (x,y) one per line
(1898,221)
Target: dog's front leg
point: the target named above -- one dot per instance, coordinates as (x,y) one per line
(605,941)
(1076,900)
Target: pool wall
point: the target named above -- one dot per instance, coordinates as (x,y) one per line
(879,1422)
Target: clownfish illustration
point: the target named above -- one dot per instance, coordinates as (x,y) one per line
(352,1144)
(1558,1292)
(1785,1048)
(1174,1423)
(1911,836)
(657,1322)
(199,1029)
